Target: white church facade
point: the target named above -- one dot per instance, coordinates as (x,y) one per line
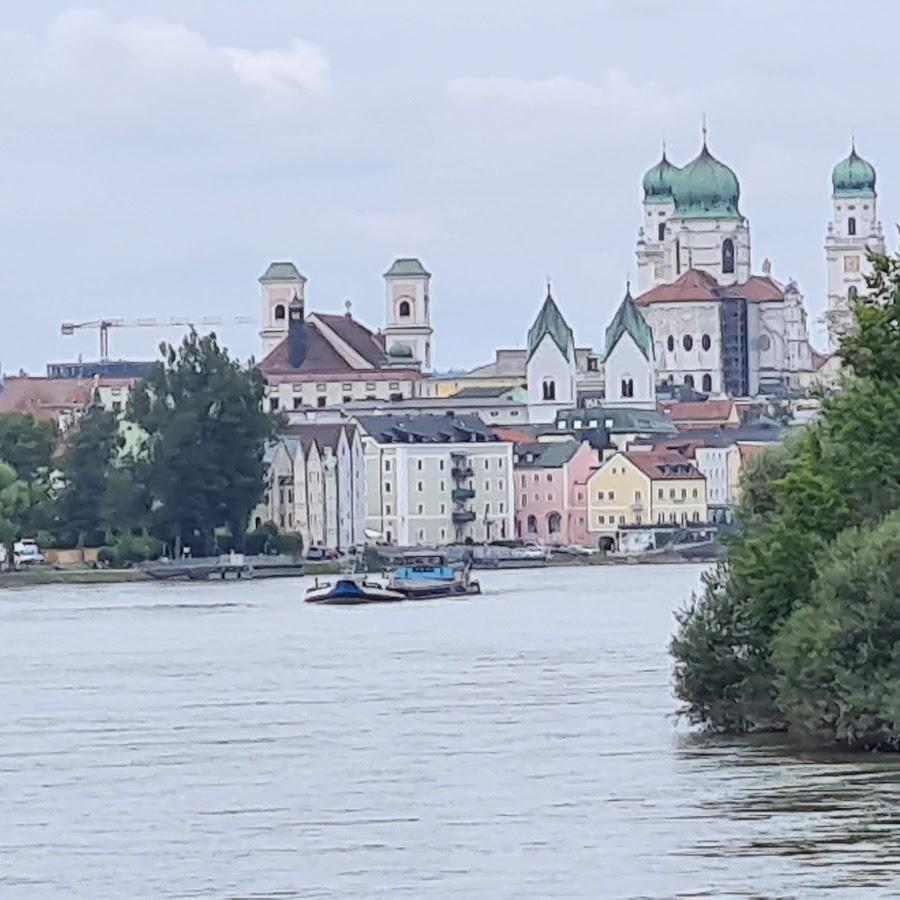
(717,327)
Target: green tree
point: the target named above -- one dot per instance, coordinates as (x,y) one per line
(202,412)
(25,506)
(842,472)
(26,445)
(838,657)
(85,467)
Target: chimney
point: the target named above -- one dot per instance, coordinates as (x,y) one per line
(296,333)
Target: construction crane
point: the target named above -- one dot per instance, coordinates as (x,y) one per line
(104,325)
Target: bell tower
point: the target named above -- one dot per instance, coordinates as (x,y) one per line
(853,231)
(408,331)
(280,285)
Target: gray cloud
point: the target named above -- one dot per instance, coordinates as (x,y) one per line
(156,156)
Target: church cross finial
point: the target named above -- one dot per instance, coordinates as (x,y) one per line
(548,285)
(853,142)
(703,129)
(664,148)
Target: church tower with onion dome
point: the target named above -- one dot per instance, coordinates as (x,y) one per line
(692,220)
(853,231)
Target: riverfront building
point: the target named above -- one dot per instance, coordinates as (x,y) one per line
(644,487)
(551,490)
(436,479)
(316,486)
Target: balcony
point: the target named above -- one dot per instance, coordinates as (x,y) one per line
(460,495)
(462,516)
(462,471)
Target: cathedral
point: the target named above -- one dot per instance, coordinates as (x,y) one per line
(717,326)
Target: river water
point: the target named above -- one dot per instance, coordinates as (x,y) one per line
(228,741)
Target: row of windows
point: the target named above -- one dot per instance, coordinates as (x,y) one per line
(420,486)
(705,382)
(537,478)
(662,518)
(611,495)
(442,509)
(554,523)
(420,464)
(688,342)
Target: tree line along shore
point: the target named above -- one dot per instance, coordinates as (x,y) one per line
(798,630)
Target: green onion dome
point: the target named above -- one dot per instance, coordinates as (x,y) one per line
(706,189)
(658,181)
(853,177)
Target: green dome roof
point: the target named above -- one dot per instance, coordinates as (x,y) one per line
(706,189)
(853,177)
(658,181)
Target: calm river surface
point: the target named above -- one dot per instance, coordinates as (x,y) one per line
(228,741)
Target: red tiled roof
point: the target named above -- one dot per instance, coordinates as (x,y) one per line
(43,398)
(698,287)
(323,360)
(698,410)
(363,341)
(664,467)
(516,435)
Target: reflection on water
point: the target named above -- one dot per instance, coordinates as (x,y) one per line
(225,740)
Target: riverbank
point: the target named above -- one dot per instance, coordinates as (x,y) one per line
(45,575)
(75,575)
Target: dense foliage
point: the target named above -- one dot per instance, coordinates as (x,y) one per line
(811,516)
(192,477)
(206,432)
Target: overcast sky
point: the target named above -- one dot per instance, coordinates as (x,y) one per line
(156,156)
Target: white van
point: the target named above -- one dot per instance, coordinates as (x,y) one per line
(26,553)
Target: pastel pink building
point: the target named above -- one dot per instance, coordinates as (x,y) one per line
(551,491)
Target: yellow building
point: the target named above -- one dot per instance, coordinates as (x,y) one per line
(645,488)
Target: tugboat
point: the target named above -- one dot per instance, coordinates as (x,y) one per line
(351,590)
(425,575)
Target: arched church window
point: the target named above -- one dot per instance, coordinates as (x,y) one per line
(549,387)
(627,387)
(279,313)
(677,256)
(728,256)
(688,342)
(404,309)
(689,381)
(661,231)
(670,343)
(706,342)
(851,225)
(852,293)
(707,383)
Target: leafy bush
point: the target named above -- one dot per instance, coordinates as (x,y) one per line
(838,658)
(129,550)
(780,637)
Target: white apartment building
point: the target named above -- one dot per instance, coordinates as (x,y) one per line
(433,480)
(316,486)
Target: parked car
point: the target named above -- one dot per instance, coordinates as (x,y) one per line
(26,553)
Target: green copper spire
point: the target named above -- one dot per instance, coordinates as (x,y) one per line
(629,320)
(706,189)
(550,321)
(853,176)
(658,181)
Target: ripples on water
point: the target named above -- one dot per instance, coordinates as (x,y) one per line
(227,741)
